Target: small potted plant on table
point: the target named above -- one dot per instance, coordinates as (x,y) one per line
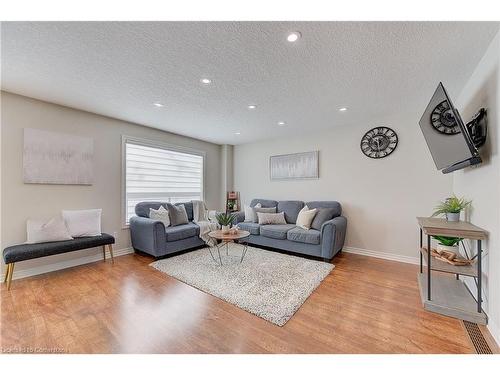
(451,208)
(447,243)
(225,220)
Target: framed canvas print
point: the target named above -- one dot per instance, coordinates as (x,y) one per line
(303,165)
(57,158)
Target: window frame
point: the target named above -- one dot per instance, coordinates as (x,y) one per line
(156,144)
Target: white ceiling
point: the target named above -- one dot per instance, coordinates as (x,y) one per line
(120,69)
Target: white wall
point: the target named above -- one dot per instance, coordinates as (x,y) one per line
(21,201)
(482,184)
(380,198)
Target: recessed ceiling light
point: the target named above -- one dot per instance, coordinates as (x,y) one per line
(237,133)
(206,81)
(252,106)
(281,123)
(293,37)
(343,109)
(158,104)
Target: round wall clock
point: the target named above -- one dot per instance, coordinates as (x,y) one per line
(443,119)
(379,142)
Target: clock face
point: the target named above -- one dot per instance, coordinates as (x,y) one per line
(379,142)
(443,119)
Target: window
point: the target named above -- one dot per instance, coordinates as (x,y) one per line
(155,172)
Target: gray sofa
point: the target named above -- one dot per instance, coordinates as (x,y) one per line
(151,236)
(324,243)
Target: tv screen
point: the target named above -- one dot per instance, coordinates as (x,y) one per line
(447,138)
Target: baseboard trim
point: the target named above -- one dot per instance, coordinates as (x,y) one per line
(382,255)
(494,332)
(64,264)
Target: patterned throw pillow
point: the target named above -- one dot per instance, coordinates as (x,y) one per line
(161,214)
(250,214)
(271,218)
(178,214)
(266,210)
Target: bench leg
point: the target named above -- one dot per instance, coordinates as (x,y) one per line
(7,273)
(104,252)
(111,253)
(10,272)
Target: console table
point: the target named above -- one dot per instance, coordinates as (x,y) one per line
(444,294)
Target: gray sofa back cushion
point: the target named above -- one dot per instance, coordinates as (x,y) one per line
(291,210)
(337,208)
(142,208)
(264,202)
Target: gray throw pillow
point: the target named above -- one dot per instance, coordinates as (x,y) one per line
(265,210)
(324,214)
(178,214)
(267,218)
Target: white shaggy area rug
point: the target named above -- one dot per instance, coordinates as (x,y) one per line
(268,284)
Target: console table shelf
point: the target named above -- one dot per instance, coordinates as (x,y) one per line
(444,294)
(438,265)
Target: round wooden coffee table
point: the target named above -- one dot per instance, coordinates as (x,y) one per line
(238,238)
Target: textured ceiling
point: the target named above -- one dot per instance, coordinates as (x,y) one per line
(120,69)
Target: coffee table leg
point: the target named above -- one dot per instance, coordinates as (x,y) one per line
(243,253)
(210,251)
(227,250)
(220,259)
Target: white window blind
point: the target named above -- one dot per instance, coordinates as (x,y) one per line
(159,174)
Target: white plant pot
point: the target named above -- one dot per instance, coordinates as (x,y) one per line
(453,216)
(225,229)
(440,248)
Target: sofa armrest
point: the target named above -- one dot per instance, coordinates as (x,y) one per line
(332,236)
(239,217)
(148,235)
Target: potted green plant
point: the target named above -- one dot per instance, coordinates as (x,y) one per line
(447,243)
(225,220)
(451,208)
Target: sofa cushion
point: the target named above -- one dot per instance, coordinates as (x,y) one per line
(337,208)
(263,202)
(253,228)
(182,231)
(291,210)
(276,231)
(324,214)
(310,236)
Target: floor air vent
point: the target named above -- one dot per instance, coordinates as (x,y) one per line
(477,338)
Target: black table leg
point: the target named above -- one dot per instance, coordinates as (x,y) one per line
(428,267)
(479,276)
(420,252)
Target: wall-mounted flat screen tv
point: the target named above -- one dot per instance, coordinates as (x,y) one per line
(448,140)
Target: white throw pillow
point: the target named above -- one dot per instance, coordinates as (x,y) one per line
(250,214)
(39,230)
(83,223)
(161,214)
(305,218)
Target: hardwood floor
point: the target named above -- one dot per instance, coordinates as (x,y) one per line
(366,305)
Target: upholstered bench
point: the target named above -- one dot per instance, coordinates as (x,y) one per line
(18,253)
